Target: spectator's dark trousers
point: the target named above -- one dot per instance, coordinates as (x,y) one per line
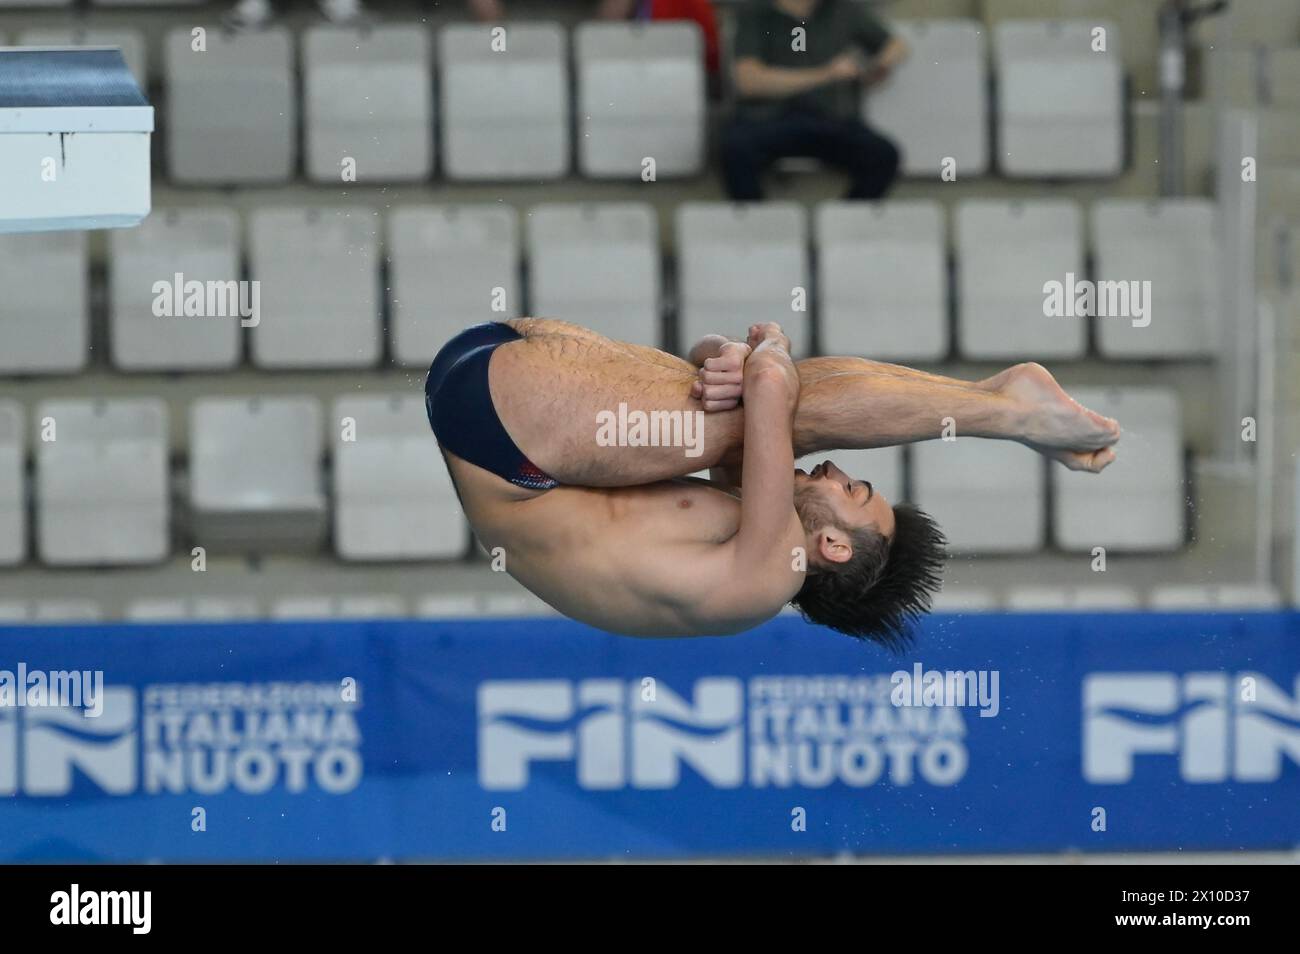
(750,145)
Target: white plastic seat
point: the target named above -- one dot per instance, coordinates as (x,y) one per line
(232,108)
(202,246)
(1006,253)
(988,496)
(1137,504)
(641,94)
(367,96)
(369,606)
(597,265)
(448,606)
(965,599)
(882,279)
(521,605)
(1085,598)
(196,608)
(504,101)
(131,43)
(1060,106)
(1173,244)
(1215,597)
(449,266)
(13,485)
(44,306)
(15,612)
(255,473)
(739,265)
(393,498)
(66,611)
(102,483)
(320,295)
(935,104)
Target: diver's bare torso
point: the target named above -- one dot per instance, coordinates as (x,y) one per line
(641,561)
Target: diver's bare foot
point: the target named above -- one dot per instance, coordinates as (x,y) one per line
(1052,422)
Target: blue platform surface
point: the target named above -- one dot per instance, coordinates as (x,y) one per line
(63,78)
(529,739)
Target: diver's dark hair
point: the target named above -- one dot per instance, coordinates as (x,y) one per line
(880,591)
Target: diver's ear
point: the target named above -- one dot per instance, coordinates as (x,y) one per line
(833,545)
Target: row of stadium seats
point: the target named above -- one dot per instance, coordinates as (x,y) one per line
(103,485)
(505,106)
(1096,597)
(880,285)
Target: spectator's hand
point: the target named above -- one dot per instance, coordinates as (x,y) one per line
(721,379)
(878,72)
(846,66)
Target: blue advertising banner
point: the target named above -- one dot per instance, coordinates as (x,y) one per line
(521,739)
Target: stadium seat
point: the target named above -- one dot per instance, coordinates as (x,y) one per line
(1083,598)
(196,608)
(200,245)
(988,496)
(367,96)
(369,606)
(318,270)
(231,108)
(255,473)
(13,485)
(742,264)
(131,42)
(1006,253)
(882,467)
(882,279)
(15,612)
(448,606)
(1138,505)
(393,499)
(66,611)
(1215,597)
(449,267)
(1060,103)
(1173,244)
(965,599)
(514,606)
(504,101)
(935,105)
(44,305)
(597,264)
(102,482)
(641,94)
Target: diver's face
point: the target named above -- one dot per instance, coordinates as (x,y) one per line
(848,503)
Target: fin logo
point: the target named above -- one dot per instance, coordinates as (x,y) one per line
(615,738)
(1197,717)
(43,749)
